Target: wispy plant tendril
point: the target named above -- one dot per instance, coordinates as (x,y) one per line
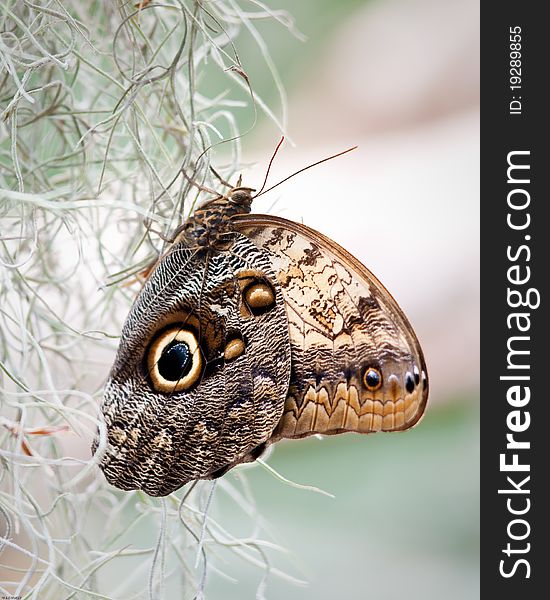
(111,115)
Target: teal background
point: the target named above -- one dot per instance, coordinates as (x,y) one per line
(404,522)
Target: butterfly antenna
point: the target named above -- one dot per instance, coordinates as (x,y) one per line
(269,166)
(262,191)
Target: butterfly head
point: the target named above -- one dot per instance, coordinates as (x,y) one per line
(241,197)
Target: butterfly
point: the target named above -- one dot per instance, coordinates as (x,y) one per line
(250,329)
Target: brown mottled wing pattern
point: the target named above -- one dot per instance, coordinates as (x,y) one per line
(159,441)
(342,323)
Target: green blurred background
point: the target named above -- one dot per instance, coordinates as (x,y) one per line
(403,523)
(400,79)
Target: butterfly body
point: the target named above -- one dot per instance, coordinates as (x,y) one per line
(250,329)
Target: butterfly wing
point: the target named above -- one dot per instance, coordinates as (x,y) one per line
(220,313)
(356,362)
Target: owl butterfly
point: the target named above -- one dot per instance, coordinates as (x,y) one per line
(250,329)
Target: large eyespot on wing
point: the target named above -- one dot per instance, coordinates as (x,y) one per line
(356,362)
(202,369)
(174,360)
